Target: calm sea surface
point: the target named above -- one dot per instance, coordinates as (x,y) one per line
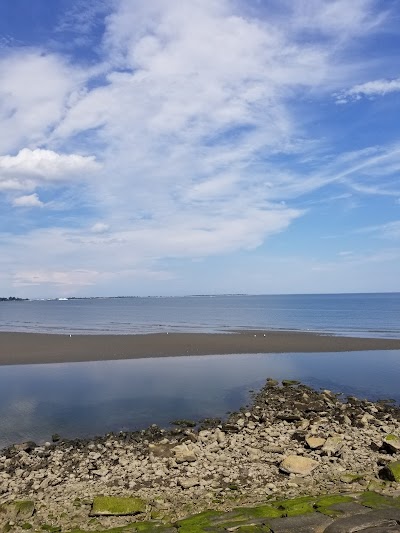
(376,315)
(87,399)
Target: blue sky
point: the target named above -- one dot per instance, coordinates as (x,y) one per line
(211,146)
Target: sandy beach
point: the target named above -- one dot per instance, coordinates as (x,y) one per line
(30,348)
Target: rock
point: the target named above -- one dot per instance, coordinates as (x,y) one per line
(391,471)
(297,464)
(184,454)
(308,523)
(112,506)
(303,424)
(188,483)
(332,445)
(17,511)
(350,478)
(392,443)
(100,473)
(25,446)
(55,437)
(220,436)
(315,442)
(382,521)
(289,417)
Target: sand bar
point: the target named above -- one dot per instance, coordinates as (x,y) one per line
(29,348)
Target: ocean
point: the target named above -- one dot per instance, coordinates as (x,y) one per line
(366,315)
(88,399)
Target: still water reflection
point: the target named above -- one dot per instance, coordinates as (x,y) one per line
(87,399)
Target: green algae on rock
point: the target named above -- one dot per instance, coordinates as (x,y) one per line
(392,471)
(350,478)
(113,506)
(50,528)
(137,527)
(290,382)
(374,500)
(295,506)
(18,510)
(325,504)
(392,443)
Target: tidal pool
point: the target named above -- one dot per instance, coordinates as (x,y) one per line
(88,399)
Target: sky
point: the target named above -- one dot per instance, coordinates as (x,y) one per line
(200,147)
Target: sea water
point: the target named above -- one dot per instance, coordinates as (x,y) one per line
(371,315)
(88,399)
(85,399)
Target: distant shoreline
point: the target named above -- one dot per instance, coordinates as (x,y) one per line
(38,348)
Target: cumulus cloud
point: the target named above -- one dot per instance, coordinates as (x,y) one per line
(31,168)
(30,200)
(369,89)
(189,112)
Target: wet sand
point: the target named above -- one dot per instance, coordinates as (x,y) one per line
(30,348)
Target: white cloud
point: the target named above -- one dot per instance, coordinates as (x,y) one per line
(100,227)
(191,109)
(31,168)
(369,89)
(34,93)
(30,200)
(389,230)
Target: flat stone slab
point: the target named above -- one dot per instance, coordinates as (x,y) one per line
(17,511)
(308,523)
(348,509)
(384,529)
(297,464)
(112,506)
(384,520)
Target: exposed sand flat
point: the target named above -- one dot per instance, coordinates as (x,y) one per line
(28,348)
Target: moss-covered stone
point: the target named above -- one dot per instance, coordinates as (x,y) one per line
(392,443)
(253,529)
(324,504)
(26,525)
(24,507)
(50,528)
(198,523)
(20,510)
(296,506)
(137,527)
(290,382)
(392,471)
(243,517)
(374,500)
(261,511)
(351,478)
(113,506)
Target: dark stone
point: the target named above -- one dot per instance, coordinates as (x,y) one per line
(300,436)
(308,523)
(25,446)
(385,519)
(289,417)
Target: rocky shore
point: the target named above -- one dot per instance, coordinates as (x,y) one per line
(292,441)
